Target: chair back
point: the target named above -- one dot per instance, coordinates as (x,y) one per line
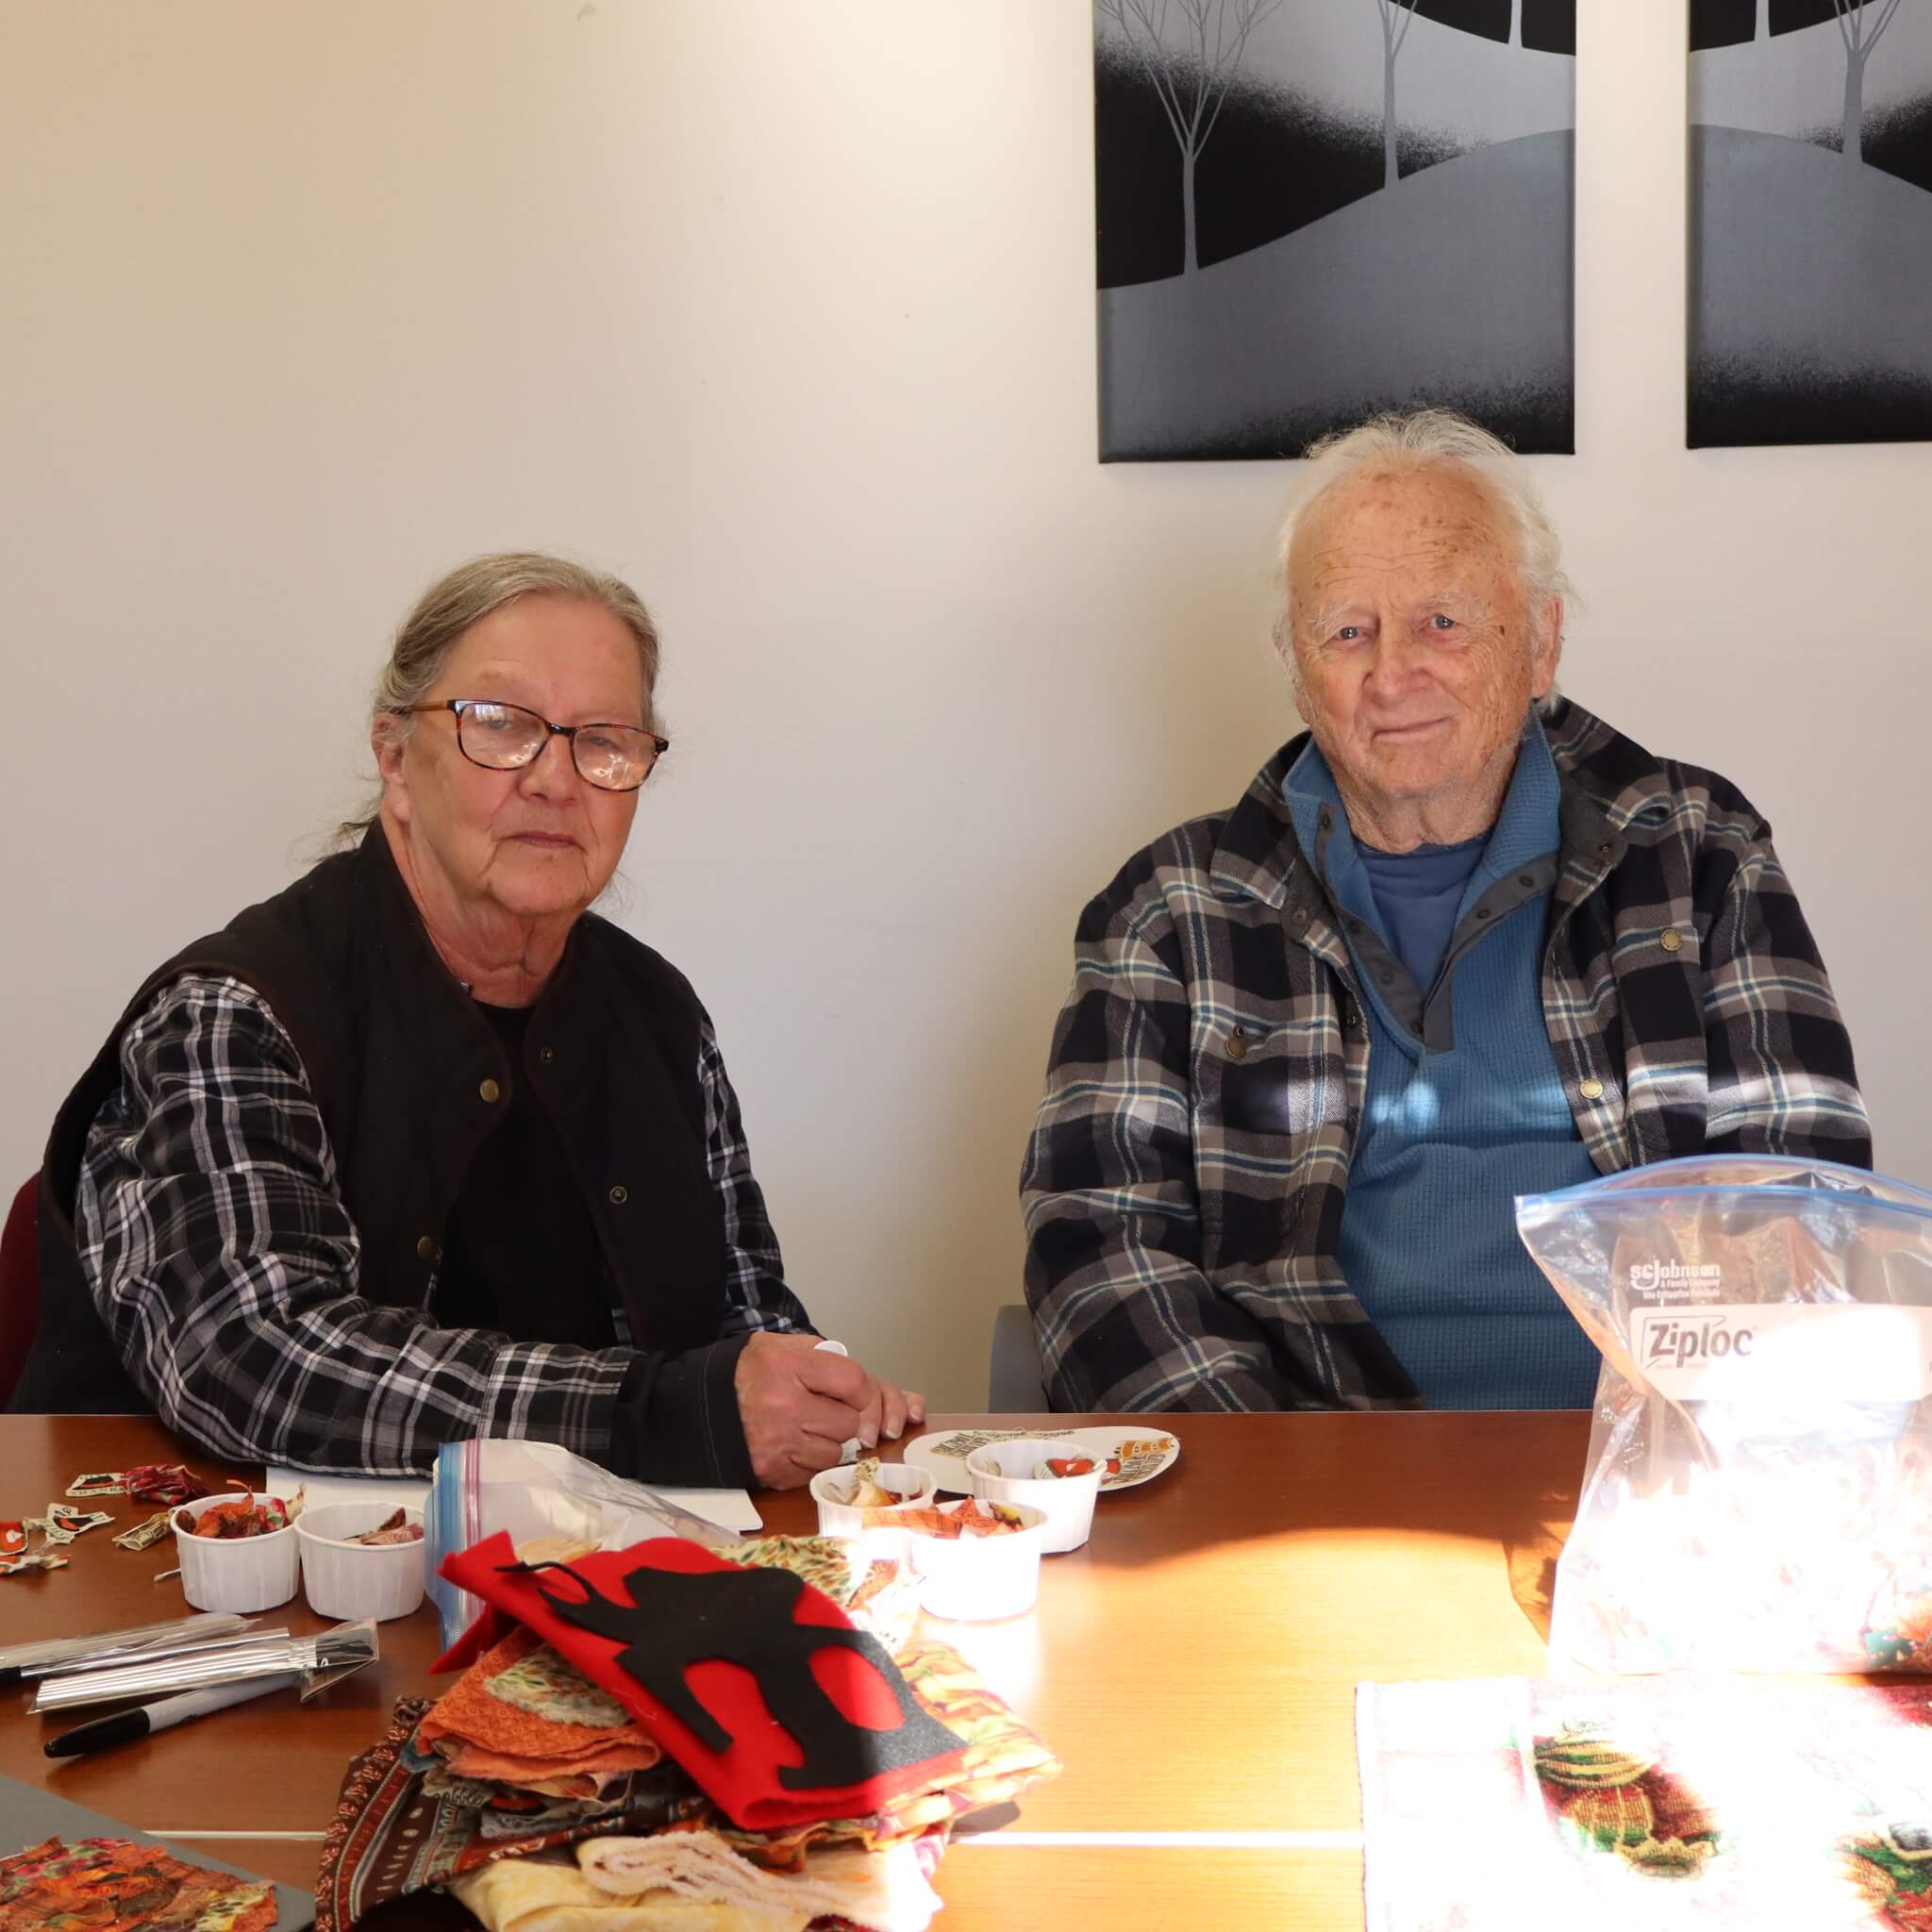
(20,1285)
(1015,1386)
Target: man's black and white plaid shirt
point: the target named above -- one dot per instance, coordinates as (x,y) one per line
(1184,1186)
(208,1200)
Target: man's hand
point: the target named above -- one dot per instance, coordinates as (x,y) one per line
(800,1404)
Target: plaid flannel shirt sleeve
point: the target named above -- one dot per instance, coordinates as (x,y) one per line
(755,1297)
(1126,1317)
(222,1256)
(1781,1073)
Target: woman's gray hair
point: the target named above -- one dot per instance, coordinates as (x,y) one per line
(1414,440)
(466,597)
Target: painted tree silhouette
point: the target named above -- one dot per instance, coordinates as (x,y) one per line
(1860,27)
(1398,17)
(1192,75)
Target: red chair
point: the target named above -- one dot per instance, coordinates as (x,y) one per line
(20,1286)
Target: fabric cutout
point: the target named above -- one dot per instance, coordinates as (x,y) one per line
(546,1895)
(751,1647)
(694,1879)
(677,1619)
(1620,1802)
(886,1890)
(879,1591)
(546,1686)
(106,1884)
(162,1483)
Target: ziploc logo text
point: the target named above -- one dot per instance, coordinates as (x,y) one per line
(1681,1341)
(1787,1353)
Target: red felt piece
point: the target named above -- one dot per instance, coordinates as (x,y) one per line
(745,1777)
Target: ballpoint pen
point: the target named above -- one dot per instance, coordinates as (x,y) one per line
(125,1725)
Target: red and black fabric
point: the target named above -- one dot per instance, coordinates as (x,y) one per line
(756,1683)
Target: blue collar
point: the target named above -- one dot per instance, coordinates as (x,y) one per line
(1527,827)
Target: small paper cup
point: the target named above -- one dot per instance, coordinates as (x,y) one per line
(236,1574)
(350,1581)
(840,1518)
(972,1579)
(1003,1472)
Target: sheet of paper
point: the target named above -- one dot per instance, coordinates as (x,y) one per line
(728,1509)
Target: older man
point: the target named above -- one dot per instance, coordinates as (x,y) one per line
(1458,941)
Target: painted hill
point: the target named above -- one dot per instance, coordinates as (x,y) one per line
(1452,287)
(1810,295)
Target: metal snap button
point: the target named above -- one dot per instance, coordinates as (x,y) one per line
(1592,1090)
(491,1090)
(619,1195)
(546,1054)
(427,1247)
(1670,942)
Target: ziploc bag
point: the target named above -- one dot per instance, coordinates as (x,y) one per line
(1758,1493)
(534,1491)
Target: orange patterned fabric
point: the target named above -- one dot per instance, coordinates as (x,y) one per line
(468,1715)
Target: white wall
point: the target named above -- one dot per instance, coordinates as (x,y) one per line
(786,311)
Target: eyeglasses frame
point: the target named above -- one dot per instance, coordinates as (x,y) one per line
(457,706)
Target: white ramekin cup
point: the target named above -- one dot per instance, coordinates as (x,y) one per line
(237,1574)
(972,1579)
(840,1518)
(349,1581)
(1003,1472)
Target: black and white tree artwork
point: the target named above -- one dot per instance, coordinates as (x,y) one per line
(1193,83)
(1811,222)
(1306,212)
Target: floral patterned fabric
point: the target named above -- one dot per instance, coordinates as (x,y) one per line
(1663,1804)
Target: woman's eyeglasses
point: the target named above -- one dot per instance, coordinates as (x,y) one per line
(506,738)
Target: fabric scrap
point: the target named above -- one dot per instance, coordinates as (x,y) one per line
(881,1891)
(114,1885)
(1669,1803)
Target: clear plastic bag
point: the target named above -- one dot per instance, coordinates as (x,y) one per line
(534,1491)
(1758,1493)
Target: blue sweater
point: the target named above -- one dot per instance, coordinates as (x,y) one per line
(1465,1107)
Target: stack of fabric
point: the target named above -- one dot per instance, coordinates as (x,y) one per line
(609,1763)
(526,1735)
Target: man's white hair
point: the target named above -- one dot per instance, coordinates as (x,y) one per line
(1415,439)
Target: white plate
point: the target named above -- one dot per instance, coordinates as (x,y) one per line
(945,1455)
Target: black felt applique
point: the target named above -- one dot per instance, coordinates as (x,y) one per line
(677,1619)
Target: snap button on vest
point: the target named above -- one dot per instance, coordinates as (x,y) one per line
(619,1195)
(546,1054)
(427,1247)
(1592,1090)
(491,1090)
(1670,942)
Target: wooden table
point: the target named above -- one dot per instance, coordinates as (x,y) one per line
(1195,1666)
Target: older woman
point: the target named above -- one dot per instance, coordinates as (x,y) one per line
(1459,941)
(420,1148)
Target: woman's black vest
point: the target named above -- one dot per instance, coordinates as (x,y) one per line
(410,1079)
